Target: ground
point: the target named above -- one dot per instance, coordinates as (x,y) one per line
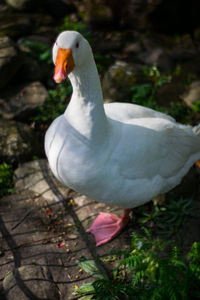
(43,239)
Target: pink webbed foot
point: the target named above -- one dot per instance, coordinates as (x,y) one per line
(107,226)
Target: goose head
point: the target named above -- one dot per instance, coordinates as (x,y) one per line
(71,52)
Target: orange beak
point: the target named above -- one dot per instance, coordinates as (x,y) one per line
(64,64)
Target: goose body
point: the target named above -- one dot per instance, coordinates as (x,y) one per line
(119,153)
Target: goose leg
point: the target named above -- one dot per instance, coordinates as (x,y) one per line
(107,226)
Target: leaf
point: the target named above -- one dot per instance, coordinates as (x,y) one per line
(49,211)
(60,245)
(86,288)
(178,263)
(89,266)
(88,297)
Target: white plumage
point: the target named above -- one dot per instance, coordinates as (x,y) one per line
(116,153)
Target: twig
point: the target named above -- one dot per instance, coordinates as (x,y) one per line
(22,219)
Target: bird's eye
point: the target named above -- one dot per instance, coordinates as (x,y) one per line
(77,45)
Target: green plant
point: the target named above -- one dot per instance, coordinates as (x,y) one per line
(168,218)
(6,179)
(79,26)
(174,214)
(150,270)
(190,77)
(55,103)
(145,93)
(102,62)
(196,106)
(152,73)
(38,50)
(179,110)
(177,70)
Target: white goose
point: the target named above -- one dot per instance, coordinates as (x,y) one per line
(116,153)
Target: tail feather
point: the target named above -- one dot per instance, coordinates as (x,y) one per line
(198,163)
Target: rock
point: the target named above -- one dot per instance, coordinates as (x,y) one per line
(30,282)
(190,70)
(10,60)
(169,92)
(135,13)
(58,8)
(33,176)
(21,4)
(134,48)
(36,50)
(118,81)
(131,13)
(183,48)
(193,94)
(24,103)
(159,57)
(93,12)
(97,13)
(112,41)
(181,55)
(32,70)
(14,24)
(18,142)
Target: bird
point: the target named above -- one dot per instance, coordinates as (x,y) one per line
(117,153)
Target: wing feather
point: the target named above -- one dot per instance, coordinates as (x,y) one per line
(160,148)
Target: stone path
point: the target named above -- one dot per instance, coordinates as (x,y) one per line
(43,234)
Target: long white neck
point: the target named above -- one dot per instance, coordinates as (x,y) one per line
(85,112)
